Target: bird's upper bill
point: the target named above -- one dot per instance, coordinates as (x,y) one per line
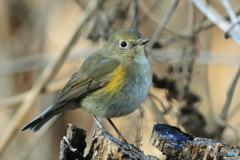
(144,41)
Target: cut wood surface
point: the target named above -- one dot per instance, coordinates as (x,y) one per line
(178,145)
(170,140)
(104,146)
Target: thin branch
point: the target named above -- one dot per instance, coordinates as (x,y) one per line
(234,131)
(47,74)
(164,22)
(224,114)
(234,19)
(235,111)
(40,60)
(204,58)
(11,101)
(216,18)
(160,102)
(50,88)
(197,28)
(139,123)
(81,53)
(191,16)
(157,114)
(230,10)
(132,20)
(234,24)
(148,12)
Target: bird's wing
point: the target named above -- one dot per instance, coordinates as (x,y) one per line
(87,80)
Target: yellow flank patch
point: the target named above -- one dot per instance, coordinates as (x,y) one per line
(118,77)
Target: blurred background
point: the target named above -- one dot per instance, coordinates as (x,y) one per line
(196,69)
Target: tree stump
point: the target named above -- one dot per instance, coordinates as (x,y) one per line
(104,146)
(170,140)
(178,145)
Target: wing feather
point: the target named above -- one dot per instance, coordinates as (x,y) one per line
(87,80)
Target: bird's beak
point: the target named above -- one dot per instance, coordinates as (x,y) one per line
(144,41)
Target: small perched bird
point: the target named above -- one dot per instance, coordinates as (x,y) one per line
(112,82)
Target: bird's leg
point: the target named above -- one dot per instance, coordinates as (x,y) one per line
(112,124)
(118,132)
(98,123)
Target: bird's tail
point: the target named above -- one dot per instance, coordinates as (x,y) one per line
(37,123)
(43,118)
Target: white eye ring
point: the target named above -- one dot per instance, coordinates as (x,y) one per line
(123,44)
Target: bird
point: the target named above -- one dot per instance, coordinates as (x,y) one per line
(112,82)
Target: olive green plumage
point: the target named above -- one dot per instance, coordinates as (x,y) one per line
(112,82)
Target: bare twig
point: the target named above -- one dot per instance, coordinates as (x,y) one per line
(230,10)
(197,28)
(44,78)
(12,100)
(191,16)
(216,18)
(157,114)
(139,122)
(132,21)
(224,114)
(234,19)
(148,12)
(164,22)
(51,87)
(221,121)
(234,24)
(234,131)
(40,60)
(235,111)
(205,58)
(161,103)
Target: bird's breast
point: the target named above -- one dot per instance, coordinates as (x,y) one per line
(124,93)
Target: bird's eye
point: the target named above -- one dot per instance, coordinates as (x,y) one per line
(123,44)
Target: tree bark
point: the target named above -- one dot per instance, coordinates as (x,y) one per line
(178,145)
(170,140)
(104,146)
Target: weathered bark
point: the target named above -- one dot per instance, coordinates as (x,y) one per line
(170,140)
(76,137)
(178,145)
(104,146)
